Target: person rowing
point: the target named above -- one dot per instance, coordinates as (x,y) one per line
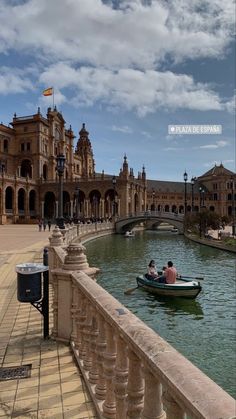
(169,275)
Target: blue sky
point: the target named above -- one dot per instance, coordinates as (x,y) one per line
(127,69)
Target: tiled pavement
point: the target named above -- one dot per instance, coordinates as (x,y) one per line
(55,388)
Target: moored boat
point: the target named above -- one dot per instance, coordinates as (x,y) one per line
(181,288)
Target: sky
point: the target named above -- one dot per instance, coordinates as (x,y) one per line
(127,69)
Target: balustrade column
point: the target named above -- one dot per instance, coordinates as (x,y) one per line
(153,407)
(173,410)
(100,389)
(93,373)
(81,318)
(86,336)
(109,405)
(74,309)
(121,378)
(56,205)
(135,387)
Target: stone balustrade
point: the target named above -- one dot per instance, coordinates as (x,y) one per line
(130,371)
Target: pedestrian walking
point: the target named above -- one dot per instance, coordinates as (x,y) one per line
(49,225)
(40,225)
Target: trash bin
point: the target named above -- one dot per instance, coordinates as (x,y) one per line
(29,285)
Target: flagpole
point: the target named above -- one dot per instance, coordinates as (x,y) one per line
(53,98)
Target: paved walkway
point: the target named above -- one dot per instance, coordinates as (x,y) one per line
(55,388)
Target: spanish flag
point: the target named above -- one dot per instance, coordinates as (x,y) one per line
(48,92)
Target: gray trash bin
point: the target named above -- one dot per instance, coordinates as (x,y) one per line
(29,284)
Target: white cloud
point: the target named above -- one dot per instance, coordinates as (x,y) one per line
(14,81)
(125,129)
(218,144)
(134,34)
(143,92)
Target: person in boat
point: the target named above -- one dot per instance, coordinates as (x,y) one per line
(169,274)
(151,271)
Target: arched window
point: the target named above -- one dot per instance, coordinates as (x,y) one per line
(5,146)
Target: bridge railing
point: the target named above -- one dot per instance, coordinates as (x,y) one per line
(131,372)
(148,214)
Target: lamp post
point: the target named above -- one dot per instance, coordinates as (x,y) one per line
(192,185)
(202,203)
(60,159)
(185,192)
(233,206)
(153,200)
(114,195)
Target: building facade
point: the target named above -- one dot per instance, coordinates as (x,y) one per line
(29,183)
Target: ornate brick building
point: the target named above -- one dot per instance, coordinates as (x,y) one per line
(29,181)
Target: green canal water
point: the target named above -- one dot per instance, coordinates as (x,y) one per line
(203,330)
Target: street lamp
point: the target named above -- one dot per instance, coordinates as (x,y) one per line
(60,159)
(114,195)
(153,200)
(192,185)
(202,203)
(185,192)
(233,206)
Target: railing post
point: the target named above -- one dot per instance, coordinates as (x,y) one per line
(173,410)
(109,405)
(93,373)
(121,378)
(135,387)
(100,389)
(153,407)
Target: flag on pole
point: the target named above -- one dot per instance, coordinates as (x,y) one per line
(48,92)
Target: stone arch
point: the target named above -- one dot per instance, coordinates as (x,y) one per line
(109,209)
(21,201)
(45,171)
(212,208)
(181,209)
(9,194)
(167,208)
(66,205)
(174,208)
(49,205)
(26,168)
(32,200)
(95,199)
(79,205)
(136,206)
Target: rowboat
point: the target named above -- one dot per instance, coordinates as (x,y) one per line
(181,288)
(129,234)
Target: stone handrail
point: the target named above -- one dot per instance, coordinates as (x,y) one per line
(131,372)
(85,231)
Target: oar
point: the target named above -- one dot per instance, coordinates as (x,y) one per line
(190,277)
(130,290)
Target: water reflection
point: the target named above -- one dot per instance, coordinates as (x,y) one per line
(175,306)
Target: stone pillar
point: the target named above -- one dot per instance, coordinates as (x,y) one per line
(55,240)
(42,209)
(109,405)
(121,378)
(71,209)
(153,408)
(56,203)
(135,387)
(102,208)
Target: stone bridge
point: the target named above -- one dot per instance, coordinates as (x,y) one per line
(149,218)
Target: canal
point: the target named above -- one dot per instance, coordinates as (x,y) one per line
(203,330)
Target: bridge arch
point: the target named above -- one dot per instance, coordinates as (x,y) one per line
(155,217)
